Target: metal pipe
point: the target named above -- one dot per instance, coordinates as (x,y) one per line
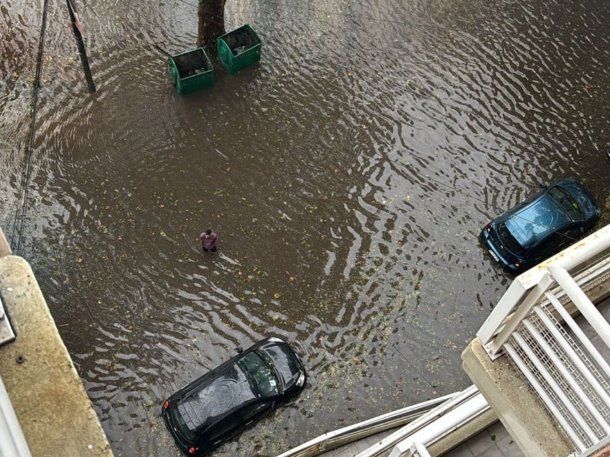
(390,441)
(418,450)
(511,298)
(545,397)
(444,425)
(524,309)
(351,433)
(554,386)
(589,247)
(582,302)
(12,441)
(568,376)
(570,257)
(575,358)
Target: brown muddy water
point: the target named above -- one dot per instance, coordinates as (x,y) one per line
(348,176)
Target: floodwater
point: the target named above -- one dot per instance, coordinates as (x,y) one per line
(348,176)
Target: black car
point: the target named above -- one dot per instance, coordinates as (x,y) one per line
(541,226)
(218,405)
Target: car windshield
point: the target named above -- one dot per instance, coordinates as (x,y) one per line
(532,224)
(566,202)
(260,374)
(284,361)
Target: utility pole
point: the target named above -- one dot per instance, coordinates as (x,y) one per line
(77,29)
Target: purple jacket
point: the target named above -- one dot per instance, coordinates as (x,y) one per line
(208,241)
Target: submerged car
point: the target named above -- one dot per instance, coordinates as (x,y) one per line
(214,408)
(541,226)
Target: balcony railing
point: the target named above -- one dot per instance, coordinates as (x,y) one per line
(533,325)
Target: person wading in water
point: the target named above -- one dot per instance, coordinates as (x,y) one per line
(208,240)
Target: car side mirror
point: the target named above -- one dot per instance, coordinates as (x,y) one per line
(543,186)
(239,349)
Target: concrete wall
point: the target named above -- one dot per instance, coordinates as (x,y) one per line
(515,403)
(47,394)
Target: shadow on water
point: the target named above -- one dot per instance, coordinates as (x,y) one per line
(348,176)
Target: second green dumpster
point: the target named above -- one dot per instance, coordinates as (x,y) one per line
(239,49)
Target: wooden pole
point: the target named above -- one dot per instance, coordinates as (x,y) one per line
(78,34)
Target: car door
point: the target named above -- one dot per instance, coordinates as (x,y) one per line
(252,411)
(224,429)
(554,243)
(576,230)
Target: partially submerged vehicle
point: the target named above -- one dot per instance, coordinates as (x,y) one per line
(541,226)
(214,408)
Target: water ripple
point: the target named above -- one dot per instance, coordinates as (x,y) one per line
(348,176)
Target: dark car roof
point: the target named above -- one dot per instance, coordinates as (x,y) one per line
(226,390)
(222,390)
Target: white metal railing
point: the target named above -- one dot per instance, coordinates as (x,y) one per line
(5,248)
(417,450)
(533,325)
(460,416)
(351,433)
(433,426)
(7,334)
(12,442)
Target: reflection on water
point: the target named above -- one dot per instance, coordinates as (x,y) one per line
(348,176)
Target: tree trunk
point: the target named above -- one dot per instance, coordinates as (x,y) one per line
(211,23)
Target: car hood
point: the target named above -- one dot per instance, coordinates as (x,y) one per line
(493,242)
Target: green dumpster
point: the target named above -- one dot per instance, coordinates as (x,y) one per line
(239,49)
(191,71)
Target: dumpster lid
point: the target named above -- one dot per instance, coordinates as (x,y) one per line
(192,62)
(243,37)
